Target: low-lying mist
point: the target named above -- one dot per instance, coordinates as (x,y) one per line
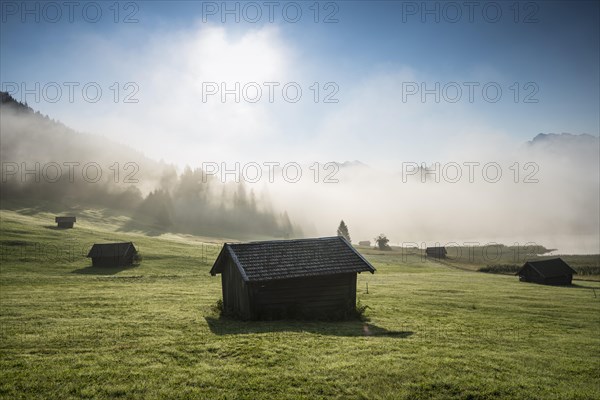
(46,164)
(545,191)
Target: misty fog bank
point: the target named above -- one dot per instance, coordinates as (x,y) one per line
(544,191)
(45,161)
(547,193)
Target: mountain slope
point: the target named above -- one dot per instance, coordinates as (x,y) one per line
(44,161)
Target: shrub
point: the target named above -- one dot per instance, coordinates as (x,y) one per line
(137,258)
(217,308)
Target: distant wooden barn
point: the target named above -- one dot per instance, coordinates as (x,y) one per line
(550,272)
(306,278)
(65,222)
(112,254)
(364,243)
(436,252)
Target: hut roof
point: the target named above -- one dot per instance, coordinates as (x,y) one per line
(111,249)
(549,268)
(65,219)
(284,259)
(443,249)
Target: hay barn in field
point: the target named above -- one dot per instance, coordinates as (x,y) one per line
(112,254)
(364,243)
(550,272)
(65,222)
(303,278)
(436,252)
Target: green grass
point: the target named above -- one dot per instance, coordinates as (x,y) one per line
(70,331)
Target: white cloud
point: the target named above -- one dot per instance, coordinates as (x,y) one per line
(171,120)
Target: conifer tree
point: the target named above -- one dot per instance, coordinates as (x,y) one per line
(343,231)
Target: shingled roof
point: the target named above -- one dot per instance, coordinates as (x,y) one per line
(550,268)
(65,219)
(284,259)
(436,250)
(111,249)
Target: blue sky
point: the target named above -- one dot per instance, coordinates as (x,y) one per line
(373,51)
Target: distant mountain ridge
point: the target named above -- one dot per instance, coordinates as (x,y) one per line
(43,139)
(7,100)
(566,145)
(564,137)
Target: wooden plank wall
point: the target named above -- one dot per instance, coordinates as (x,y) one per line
(310,296)
(235,291)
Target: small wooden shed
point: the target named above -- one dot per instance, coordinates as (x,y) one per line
(436,252)
(553,271)
(302,278)
(65,222)
(112,254)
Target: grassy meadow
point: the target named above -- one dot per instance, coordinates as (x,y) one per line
(498,258)
(68,330)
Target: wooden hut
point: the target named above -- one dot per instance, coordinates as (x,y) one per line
(303,278)
(553,271)
(65,222)
(436,252)
(364,243)
(112,254)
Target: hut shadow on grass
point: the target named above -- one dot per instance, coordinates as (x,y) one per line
(91,270)
(580,286)
(349,328)
(594,291)
(56,228)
